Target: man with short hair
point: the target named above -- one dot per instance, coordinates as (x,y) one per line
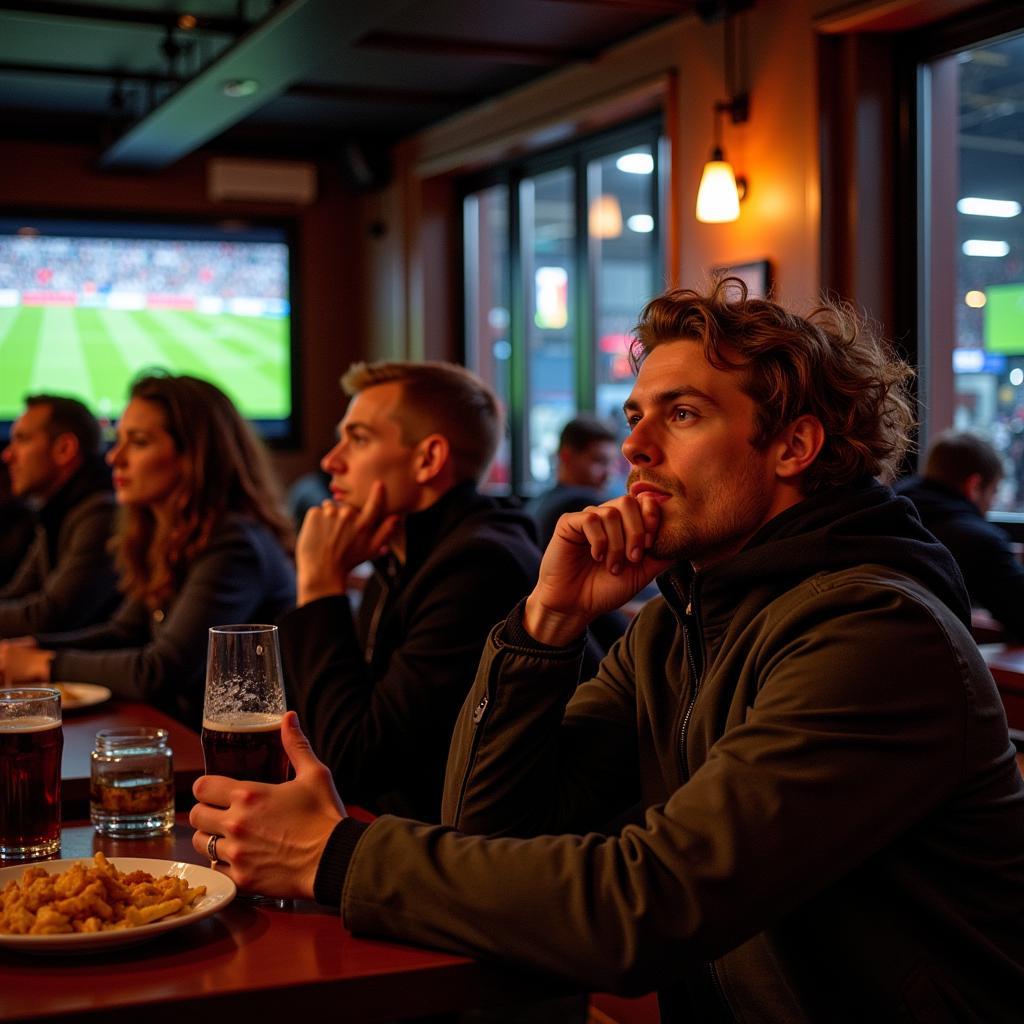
(834,818)
(66,579)
(586,456)
(962,473)
(381,689)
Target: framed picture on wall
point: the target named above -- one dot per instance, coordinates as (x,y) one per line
(757,276)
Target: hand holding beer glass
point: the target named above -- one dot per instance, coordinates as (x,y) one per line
(244,705)
(31,744)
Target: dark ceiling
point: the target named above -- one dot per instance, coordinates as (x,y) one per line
(150,80)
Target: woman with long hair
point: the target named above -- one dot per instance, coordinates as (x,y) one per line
(202,540)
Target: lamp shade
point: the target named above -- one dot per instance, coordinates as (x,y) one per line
(718,200)
(605,217)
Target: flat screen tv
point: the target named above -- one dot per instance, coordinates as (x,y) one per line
(86,305)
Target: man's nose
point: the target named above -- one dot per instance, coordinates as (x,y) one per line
(8,454)
(639,448)
(333,462)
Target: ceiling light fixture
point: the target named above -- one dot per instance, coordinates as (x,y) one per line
(985,247)
(641,223)
(635,163)
(239,87)
(720,191)
(975,206)
(975,299)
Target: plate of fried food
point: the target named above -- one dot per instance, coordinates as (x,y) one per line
(88,906)
(80,695)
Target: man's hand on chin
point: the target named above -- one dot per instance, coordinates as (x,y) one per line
(335,538)
(596,561)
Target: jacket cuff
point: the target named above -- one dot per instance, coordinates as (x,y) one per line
(333,866)
(513,633)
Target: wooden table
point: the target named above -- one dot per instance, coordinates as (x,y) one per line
(1007,667)
(80,728)
(249,962)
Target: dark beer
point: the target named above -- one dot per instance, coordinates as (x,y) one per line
(30,752)
(245,746)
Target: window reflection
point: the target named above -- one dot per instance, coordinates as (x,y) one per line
(987,314)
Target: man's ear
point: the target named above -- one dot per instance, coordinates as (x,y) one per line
(432,455)
(64,449)
(798,445)
(972,488)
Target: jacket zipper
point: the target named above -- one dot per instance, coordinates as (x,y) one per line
(378,611)
(691,632)
(479,713)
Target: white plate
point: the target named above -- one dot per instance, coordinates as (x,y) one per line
(220,891)
(80,695)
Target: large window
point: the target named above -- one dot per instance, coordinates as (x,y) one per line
(560,254)
(971,138)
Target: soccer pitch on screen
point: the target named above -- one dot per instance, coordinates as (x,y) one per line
(94,354)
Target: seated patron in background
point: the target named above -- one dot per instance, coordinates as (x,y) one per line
(65,578)
(381,689)
(834,826)
(586,456)
(962,473)
(201,541)
(17,527)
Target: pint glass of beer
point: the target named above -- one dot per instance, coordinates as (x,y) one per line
(31,743)
(244,705)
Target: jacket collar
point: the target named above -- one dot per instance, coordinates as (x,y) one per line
(424,530)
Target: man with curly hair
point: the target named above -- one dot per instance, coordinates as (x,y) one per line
(833,819)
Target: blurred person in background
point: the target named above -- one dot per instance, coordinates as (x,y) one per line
(65,578)
(962,473)
(202,540)
(17,527)
(588,452)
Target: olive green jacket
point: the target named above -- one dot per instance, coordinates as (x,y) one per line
(833,822)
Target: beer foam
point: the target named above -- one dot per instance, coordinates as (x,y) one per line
(245,721)
(30,723)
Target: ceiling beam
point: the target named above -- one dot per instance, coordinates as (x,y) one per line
(122,15)
(378,94)
(473,49)
(290,45)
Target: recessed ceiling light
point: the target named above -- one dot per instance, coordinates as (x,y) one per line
(635,163)
(237,87)
(642,223)
(985,247)
(975,299)
(976,206)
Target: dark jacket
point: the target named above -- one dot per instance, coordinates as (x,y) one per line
(379,692)
(992,572)
(66,579)
(242,575)
(834,826)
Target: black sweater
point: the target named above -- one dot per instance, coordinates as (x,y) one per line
(378,692)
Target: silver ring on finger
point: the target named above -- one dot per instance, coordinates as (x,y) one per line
(211,848)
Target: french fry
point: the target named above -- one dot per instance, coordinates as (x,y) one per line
(91,898)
